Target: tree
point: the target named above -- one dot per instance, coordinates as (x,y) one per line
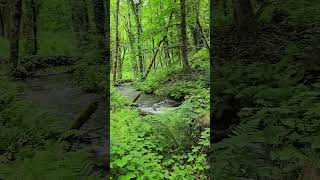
(184,37)
(117,43)
(99,16)
(29,26)
(1,23)
(136,5)
(131,39)
(15,19)
(102,17)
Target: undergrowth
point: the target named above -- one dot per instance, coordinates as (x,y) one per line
(29,146)
(161,146)
(278,132)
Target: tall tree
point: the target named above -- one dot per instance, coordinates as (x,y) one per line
(29,26)
(16,13)
(195,30)
(99,16)
(184,37)
(1,23)
(5,6)
(244,18)
(131,39)
(117,42)
(136,8)
(102,17)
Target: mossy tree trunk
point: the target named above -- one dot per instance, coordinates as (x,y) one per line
(15,20)
(117,54)
(136,11)
(29,26)
(184,37)
(1,24)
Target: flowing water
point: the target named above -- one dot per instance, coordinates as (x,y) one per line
(149,103)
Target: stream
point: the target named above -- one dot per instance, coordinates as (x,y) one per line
(57,94)
(147,103)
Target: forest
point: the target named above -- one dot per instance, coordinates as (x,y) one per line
(160,89)
(160,109)
(53,89)
(265,89)
(64,62)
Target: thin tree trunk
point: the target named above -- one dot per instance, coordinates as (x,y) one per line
(136,11)
(117,43)
(16,13)
(184,37)
(99,14)
(1,23)
(156,52)
(202,34)
(154,57)
(34,27)
(121,63)
(131,38)
(7,20)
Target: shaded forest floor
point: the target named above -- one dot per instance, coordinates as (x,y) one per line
(267,103)
(35,116)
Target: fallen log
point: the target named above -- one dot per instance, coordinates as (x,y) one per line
(85,115)
(136,98)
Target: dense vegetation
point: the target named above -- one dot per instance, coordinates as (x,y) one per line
(265,98)
(160,46)
(266,87)
(161,49)
(45,36)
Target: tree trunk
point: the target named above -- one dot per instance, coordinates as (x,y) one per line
(35,27)
(184,38)
(1,23)
(102,17)
(99,16)
(6,19)
(244,18)
(202,34)
(117,55)
(136,11)
(154,57)
(131,39)
(16,13)
(29,26)
(121,63)
(195,29)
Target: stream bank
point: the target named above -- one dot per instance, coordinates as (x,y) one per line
(57,94)
(147,103)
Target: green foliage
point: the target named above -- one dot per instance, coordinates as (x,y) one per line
(28,142)
(278,121)
(49,163)
(156,147)
(155,79)
(172,82)
(91,77)
(4,47)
